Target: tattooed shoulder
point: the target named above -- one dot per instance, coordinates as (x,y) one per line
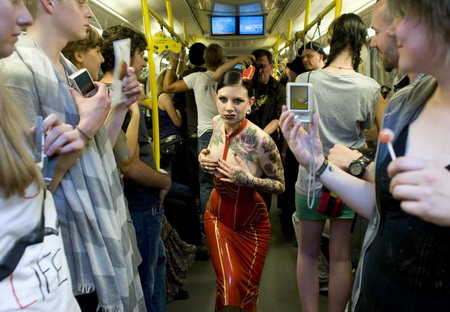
(268,145)
(217,135)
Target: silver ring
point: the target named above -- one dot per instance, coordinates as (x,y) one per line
(206,168)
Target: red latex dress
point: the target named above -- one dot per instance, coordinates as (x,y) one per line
(238,232)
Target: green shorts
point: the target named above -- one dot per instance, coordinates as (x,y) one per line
(304,213)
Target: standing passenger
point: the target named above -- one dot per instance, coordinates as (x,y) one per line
(346,102)
(30,237)
(236,220)
(145,187)
(89,200)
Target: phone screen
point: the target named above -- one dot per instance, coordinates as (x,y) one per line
(84,83)
(299,97)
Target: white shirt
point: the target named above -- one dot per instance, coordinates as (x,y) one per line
(204,90)
(40,281)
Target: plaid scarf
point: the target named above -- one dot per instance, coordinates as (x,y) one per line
(90,202)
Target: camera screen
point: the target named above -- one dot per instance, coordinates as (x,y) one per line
(85,83)
(299,98)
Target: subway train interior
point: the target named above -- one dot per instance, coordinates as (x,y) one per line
(199,252)
(280,26)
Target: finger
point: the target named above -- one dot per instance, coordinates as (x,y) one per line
(402,164)
(51,121)
(226,180)
(76,145)
(60,141)
(53,133)
(223,172)
(408,192)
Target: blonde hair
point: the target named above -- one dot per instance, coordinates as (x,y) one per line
(17,167)
(160,81)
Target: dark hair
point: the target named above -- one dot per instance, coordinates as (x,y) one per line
(138,42)
(233,77)
(196,54)
(263,52)
(348,32)
(93,39)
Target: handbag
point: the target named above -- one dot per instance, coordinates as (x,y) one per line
(330,205)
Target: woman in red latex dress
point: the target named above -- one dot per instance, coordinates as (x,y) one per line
(242,160)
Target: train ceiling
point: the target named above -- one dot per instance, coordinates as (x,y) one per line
(196,15)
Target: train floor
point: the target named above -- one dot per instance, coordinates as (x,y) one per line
(278,284)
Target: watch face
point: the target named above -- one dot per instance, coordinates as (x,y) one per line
(356,168)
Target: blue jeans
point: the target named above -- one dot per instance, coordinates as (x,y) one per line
(152,270)
(205,179)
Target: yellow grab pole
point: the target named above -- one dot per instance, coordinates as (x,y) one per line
(338,9)
(186,37)
(151,81)
(277,54)
(165,25)
(307,12)
(169,13)
(319,17)
(289,30)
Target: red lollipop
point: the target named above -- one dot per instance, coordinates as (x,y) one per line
(387,136)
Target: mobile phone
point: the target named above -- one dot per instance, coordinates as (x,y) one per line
(82,81)
(300,100)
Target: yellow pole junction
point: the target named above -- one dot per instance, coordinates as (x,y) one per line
(320,16)
(151,81)
(166,26)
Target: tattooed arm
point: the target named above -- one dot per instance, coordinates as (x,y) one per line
(270,162)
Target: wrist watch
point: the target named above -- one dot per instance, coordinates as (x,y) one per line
(357,167)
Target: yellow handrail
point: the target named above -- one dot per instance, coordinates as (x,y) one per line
(169,13)
(337,11)
(165,25)
(151,81)
(319,17)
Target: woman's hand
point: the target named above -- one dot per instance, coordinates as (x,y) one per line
(299,140)
(423,187)
(239,174)
(208,164)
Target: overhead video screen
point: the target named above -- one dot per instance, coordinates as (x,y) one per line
(223,25)
(251,25)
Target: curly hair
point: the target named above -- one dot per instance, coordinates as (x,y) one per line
(93,39)
(347,32)
(113,33)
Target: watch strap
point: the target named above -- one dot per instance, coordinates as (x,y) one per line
(322,168)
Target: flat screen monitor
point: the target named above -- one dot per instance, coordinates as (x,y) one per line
(223,25)
(251,25)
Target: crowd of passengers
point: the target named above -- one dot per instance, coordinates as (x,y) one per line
(89,224)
